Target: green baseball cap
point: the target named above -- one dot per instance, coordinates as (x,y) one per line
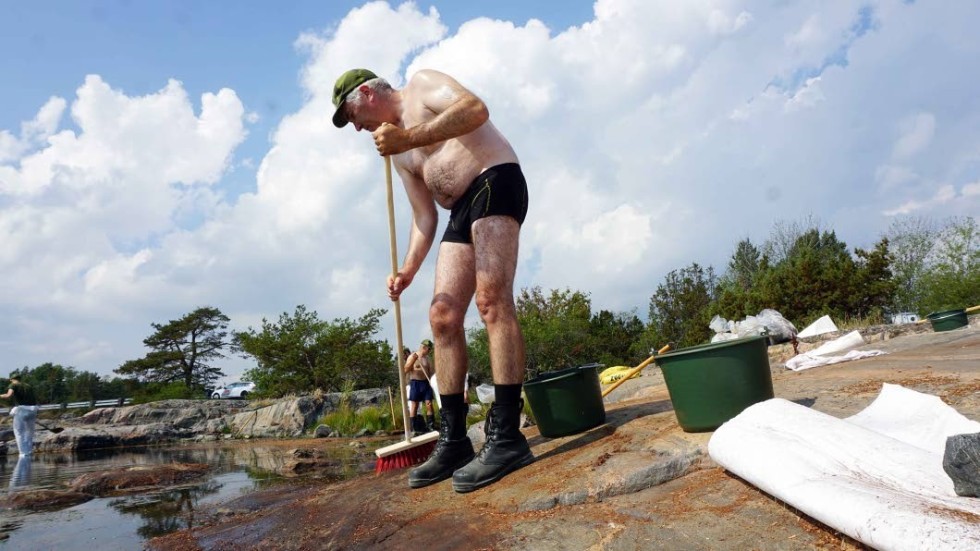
(427,343)
(346,84)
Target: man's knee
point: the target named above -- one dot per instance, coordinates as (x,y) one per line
(495,306)
(445,316)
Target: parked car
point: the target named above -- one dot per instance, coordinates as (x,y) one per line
(234,390)
(904,317)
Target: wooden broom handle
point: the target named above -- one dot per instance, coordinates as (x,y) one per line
(634,371)
(398,306)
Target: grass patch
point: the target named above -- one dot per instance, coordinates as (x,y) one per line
(849,323)
(348,422)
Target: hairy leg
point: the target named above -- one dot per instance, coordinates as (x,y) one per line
(413,408)
(455,282)
(495,245)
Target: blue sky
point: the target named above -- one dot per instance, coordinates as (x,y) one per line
(160,156)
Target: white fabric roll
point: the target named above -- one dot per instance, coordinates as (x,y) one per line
(887,490)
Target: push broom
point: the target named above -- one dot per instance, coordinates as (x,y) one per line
(412,450)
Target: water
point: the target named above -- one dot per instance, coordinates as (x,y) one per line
(125,522)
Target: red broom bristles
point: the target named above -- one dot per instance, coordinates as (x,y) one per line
(404,458)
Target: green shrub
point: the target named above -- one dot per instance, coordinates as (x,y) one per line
(154,392)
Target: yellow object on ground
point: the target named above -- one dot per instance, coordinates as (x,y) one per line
(611,375)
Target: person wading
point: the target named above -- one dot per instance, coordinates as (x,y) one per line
(447,152)
(24,412)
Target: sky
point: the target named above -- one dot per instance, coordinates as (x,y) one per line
(156,157)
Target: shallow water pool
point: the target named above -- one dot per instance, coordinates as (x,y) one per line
(126,522)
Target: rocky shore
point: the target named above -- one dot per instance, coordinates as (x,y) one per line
(170,421)
(638,481)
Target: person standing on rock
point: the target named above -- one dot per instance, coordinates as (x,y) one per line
(419,368)
(447,152)
(24,413)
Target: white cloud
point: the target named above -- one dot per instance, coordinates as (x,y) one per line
(943,195)
(808,33)
(32,133)
(720,22)
(807,96)
(916,134)
(892,177)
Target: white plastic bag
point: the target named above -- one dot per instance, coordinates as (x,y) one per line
(720,337)
(485,393)
(749,327)
(718,324)
(780,329)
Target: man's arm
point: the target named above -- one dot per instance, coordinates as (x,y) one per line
(425,217)
(457,112)
(8,395)
(410,364)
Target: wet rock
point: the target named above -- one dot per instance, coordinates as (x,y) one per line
(362,433)
(6,435)
(322,431)
(137,478)
(287,418)
(962,463)
(88,438)
(77,439)
(305,460)
(35,500)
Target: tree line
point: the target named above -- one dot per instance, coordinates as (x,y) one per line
(57,384)
(802,270)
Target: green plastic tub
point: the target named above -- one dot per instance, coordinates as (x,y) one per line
(947,320)
(566,401)
(711,383)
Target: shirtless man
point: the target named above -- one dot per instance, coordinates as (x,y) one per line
(447,151)
(419,369)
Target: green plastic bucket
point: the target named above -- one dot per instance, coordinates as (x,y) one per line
(566,401)
(947,320)
(711,383)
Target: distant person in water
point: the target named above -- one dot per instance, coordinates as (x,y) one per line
(24,412)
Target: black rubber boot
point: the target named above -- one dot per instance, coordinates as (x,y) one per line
(453,450)
(418,425)
(430,422)
(505,450)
